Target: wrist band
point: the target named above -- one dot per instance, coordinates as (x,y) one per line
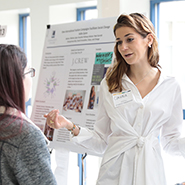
(71,130)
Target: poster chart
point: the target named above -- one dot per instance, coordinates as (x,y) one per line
(75,59)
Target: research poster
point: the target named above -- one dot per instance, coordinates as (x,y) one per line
(75,59)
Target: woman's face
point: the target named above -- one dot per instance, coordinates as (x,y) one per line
(131,45)
(27,83)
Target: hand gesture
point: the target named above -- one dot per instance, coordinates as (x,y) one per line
(56,121)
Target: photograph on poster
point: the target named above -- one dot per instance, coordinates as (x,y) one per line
(48,132)
(102,61)
(74,100)
(93,97)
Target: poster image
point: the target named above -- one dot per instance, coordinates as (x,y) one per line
(48,132)
(50,85)
(74,100)
(93,97)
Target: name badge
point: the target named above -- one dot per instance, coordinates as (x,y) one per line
(122,98)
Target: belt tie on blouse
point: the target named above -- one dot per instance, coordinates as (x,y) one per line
(144,147)
(140,142)
(120,144)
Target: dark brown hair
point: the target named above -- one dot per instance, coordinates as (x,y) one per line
(12,64)
(142,25)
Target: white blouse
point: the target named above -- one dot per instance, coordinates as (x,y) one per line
(130,135)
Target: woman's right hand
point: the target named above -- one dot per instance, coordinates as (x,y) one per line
(56,121)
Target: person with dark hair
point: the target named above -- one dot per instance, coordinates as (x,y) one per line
(139,107)
(24,156)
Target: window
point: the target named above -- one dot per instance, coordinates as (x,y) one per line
(155,12)
(23,19)
(25,44)
(87,13)
(168,18)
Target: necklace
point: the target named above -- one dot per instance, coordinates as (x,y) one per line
(143,78)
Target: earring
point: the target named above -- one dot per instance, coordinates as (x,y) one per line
(149,45)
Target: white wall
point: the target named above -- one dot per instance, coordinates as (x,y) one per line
(10,19)
(57,12)
(131,6)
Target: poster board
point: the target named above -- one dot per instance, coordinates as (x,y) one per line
(75,59)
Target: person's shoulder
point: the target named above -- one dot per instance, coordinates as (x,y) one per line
(103,82)
(31,136)
(170,84)
(103,85)
(28,130)
(169,79)
(21,131)
(28,126)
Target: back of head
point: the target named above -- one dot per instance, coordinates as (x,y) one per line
(12,64)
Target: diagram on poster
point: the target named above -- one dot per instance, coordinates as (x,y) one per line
(75,59)
(50,85)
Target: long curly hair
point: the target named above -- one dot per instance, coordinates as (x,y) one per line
(142,25)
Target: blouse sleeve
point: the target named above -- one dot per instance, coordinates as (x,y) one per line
(171,132)
(97,139)
(33,161)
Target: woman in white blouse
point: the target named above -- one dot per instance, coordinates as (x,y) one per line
(138,103)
